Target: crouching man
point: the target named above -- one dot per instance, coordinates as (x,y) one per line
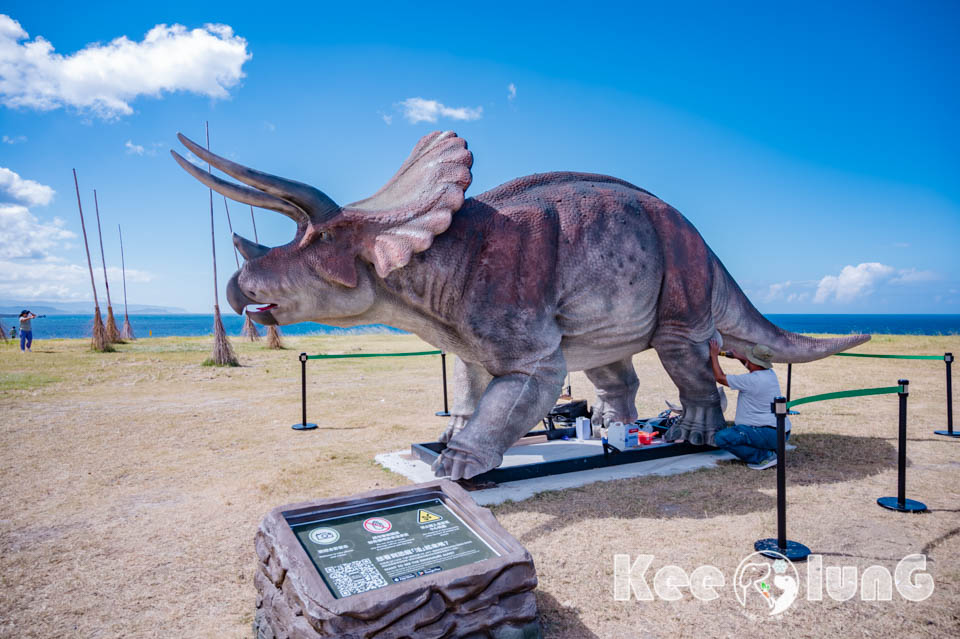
(753,437)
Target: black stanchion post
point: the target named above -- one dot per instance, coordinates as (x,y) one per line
(303,425)
(789,379)
(948,359)
(774,548)
(900,502)
(443,366)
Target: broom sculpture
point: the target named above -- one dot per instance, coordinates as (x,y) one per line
(99,341)
(223,354)
(249,328)
(113,334)
(127,331)
(273,333)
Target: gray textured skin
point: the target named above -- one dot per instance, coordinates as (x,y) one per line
(543,275)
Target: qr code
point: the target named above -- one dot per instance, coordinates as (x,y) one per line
(355,577)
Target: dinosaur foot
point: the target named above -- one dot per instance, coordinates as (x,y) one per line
(454,426)
(457,464)
(697,425)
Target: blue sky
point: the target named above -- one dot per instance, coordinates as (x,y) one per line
(813,145)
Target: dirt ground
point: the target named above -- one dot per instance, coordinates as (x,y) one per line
(133,482)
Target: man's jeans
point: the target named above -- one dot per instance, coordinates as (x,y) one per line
(752,444)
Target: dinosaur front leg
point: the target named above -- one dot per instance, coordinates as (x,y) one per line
(469,382)
(511,405)
(617,386)
(688,364)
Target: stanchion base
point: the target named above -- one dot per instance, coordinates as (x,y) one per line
(909,505)
(795,551)
(303,426)
(442,413)
(947,433)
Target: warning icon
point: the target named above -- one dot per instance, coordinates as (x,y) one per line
(426,517)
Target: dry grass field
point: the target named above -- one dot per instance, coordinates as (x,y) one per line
(133,482)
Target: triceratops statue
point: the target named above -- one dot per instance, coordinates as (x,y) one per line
(545,274)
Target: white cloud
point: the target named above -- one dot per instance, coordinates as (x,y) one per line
(776,291)
(16,139)
(852,282)
(56,279)
(23,236)
(134,149)
(387,118)
(420,110)
(511,91)
(33,193)
(911,275)
(105,78)
(270,126)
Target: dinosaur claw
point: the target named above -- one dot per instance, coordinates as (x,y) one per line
(458,464)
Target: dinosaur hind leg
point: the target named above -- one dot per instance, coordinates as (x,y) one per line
(617,387)
(688,364)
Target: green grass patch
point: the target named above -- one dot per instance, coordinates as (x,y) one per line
(25,381)
(209,362)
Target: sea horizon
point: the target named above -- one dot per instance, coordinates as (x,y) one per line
(201,324)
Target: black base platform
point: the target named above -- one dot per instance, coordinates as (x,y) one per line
(429,451)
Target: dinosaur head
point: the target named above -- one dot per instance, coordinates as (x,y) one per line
(328,271)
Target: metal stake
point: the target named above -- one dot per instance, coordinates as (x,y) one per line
(303,425)
(900,503)
(948,358)
(443,365)
(781,546)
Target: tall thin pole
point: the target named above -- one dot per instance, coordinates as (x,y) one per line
(85,244)
(103,259)
(230,224)
(254,220)
(99,341)
(123,270)
(213,242)
(113,335)
(127,332)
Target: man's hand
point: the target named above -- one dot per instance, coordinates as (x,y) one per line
(715,363)
(714,348)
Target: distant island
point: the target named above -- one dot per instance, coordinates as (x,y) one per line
(10,308)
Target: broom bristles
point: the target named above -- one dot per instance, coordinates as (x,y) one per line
(113,334)
(99,341)
(127,332)
(273,338)
(250,329)
(223,354)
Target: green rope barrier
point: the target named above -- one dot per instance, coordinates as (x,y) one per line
(851,393)
(372,355)
(940,357)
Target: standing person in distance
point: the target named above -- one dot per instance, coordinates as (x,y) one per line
(26,330)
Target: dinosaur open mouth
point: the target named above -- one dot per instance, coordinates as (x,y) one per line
(256,308)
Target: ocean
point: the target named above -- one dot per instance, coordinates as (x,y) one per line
(54,326)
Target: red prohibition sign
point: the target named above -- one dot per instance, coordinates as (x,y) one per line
(377,525)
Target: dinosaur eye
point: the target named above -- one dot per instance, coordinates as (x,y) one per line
(326,236)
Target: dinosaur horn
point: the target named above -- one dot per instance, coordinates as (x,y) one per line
(242,193)
(249,250)
(316,205)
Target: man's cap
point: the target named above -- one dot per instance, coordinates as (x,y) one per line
(760,354)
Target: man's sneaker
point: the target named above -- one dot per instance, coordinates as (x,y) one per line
(766,463)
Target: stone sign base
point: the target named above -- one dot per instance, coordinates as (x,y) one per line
(489,598)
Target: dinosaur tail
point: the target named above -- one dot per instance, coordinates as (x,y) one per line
(742,326)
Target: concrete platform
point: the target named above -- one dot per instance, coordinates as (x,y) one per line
(537,449)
